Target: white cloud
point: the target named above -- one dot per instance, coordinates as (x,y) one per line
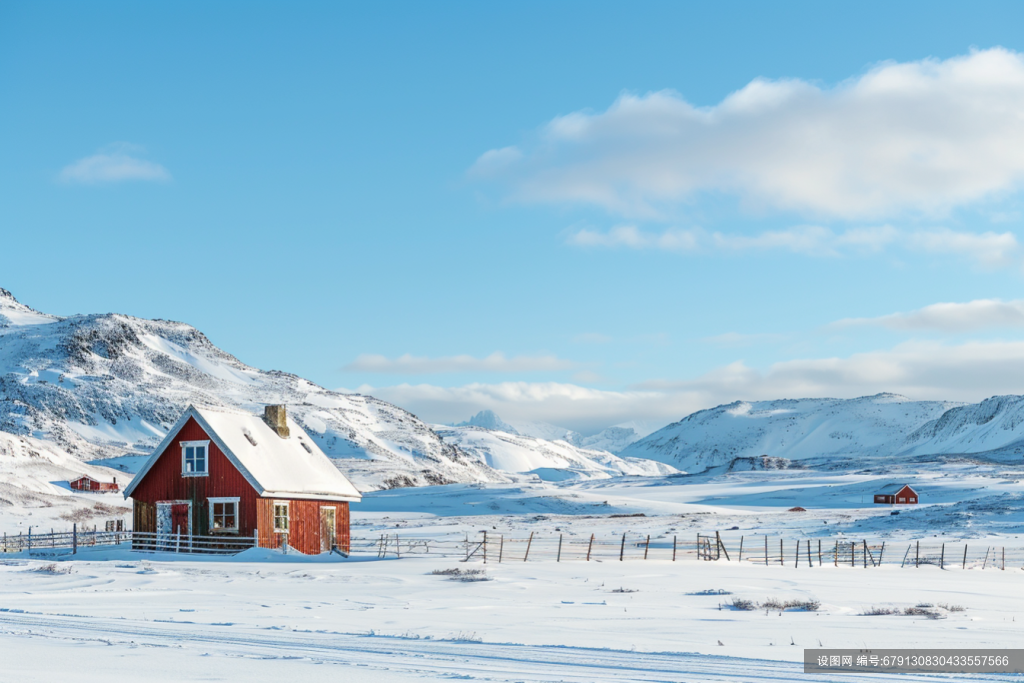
(113,165)
(951,317)
(920,370)
(921,136)
(567,405)
(984,248)
(496,362)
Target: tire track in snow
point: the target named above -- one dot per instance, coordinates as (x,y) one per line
(434,658)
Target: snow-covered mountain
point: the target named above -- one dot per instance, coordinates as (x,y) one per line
(994,424)
(795,430)
(487,419)
(107,385)
(550,460)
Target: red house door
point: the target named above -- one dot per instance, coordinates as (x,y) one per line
(179,519)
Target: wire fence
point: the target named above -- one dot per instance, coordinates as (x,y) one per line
(567,547)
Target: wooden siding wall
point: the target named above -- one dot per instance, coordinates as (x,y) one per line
(304,524)
(164,482)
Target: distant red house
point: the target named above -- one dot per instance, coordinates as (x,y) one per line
(86,483)
(238,474)
(897,494)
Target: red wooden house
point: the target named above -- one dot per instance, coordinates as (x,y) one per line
(227,472)
(87,483)
(897,494)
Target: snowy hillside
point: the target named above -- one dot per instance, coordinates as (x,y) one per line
(792,429)
(108,385)
(996,423)
(550,460)
(34,490)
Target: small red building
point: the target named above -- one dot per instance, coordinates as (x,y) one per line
(897,494)
(228,472)
(87,483)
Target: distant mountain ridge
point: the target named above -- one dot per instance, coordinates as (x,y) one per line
(613,439)
(869,426)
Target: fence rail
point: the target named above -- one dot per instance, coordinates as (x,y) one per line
(567,547)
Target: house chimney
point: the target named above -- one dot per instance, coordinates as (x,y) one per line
(275,417)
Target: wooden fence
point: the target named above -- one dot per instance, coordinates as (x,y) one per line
(567,547)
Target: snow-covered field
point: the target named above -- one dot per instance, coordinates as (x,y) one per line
(264,616)
(305,619)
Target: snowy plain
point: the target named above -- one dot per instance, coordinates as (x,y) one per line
(267,616)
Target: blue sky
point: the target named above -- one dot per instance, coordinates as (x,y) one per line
(583,213)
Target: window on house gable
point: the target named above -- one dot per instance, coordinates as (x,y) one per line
(224,514)
(280,517)
(195,458)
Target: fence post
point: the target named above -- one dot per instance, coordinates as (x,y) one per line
(398,548)
(835,555)
(740,558)
(622,549)
(796,554)
(766,550)
(942,557)
(809,563)
(866,554)
(590,546)
(1004,558)
(74,539)
(647,546)
(819,552)
(965,557)
(880,553)
(985,563)
(782,554)
(501,548)
(467,545)
(485,546)
(559,557)
(255,538)
(917,555)
(528,544)
(30,540)
(673,548)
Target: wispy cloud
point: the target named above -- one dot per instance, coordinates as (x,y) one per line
(919,370)
(950,317)
(496,362)
(568,405)
(988,249)
(922,136)
(117,163)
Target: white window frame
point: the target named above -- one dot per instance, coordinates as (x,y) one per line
(287,516)
(206,458)
(229,499)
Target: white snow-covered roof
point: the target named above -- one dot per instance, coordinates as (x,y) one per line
(890,489)
(277,467)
